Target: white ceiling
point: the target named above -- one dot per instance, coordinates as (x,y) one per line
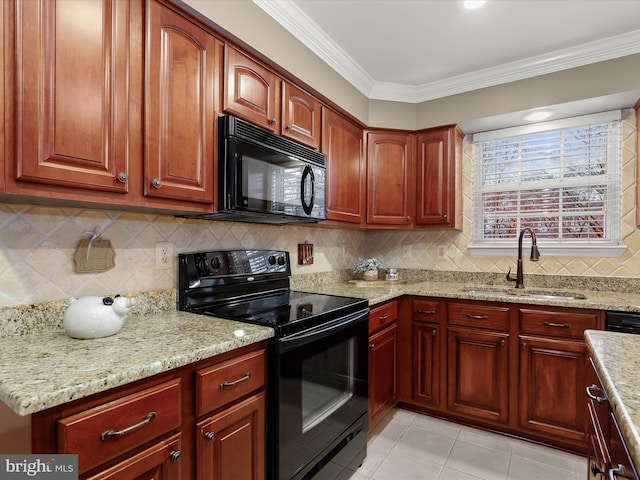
(418,50)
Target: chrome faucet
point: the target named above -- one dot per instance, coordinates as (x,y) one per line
(535,256)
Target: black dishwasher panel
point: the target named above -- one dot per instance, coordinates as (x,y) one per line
(624,322)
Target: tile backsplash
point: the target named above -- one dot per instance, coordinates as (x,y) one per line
(38,243)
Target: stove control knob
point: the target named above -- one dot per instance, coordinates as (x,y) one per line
(215,263)
(281,260)
(272,259)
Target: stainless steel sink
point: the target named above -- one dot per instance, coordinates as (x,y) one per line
(526,294)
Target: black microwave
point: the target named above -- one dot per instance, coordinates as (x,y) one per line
(264,178)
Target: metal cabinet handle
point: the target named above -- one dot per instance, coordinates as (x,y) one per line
(235,382)
(372,346)
(614,472)
(503,342)
(175,456)
(408,218)
(384,317)
(288,127)
(273,121)
(426,312)
(434,332)
(595,470)
(477,317)
(210,436)
(444,217)
(156,183)
(110,434)
(123,177)
(594,388)
(556,325)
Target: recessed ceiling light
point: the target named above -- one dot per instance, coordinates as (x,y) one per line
(538,115)
(473,4)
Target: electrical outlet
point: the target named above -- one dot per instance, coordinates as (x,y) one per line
(164,255)
(442,252)
(406,250)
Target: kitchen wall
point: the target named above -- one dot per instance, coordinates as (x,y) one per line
(37,247)
(426,245)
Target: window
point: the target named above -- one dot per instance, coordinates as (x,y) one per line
(561,179)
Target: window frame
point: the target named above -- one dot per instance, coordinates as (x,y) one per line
(610,247)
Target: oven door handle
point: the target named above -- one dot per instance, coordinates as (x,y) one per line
(298,339)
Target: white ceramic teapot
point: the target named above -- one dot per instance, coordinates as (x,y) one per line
(96,317)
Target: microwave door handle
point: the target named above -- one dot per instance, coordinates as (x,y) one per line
(307,172)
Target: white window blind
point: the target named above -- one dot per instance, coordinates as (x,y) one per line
(562,179)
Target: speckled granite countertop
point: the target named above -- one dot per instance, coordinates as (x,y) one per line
(616,357)
(381,292)
(47,368)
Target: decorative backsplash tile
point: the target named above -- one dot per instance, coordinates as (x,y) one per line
(37,245)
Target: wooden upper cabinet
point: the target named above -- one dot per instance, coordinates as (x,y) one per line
(438,177)
(301,116)
(180,119)
(390,178)
(75,79)
(343,144)
(251,91)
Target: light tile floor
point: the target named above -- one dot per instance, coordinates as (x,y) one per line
(407,445)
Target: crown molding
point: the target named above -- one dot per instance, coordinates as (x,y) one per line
(294,20)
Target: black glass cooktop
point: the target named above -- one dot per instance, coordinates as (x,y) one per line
(284,310)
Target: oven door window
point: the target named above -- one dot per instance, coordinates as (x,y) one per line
(323,391)
(268,181)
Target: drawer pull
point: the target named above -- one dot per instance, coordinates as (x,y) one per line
(384,317)
(477,317)
(109,434)
(210,437)
(426,312)
(235,382)
(175,456)
(591,394)
(617,471)
(556,325)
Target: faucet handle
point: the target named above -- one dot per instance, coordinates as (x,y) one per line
(509,277)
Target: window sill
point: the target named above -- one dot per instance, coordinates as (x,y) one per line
(602,251)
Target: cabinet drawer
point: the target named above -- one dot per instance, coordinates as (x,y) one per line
(383,315)
(223,383)
(109,430)
(556,323)
(425,310)
(484,316)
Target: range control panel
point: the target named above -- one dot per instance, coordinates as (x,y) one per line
(235,262)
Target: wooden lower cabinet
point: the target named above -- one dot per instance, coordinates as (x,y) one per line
(383,361)
(514,368)
(478,371)
(552,379)
(382,373)
(231,444)
(150,429)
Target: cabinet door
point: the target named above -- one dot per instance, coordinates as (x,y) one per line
(231,444)
(301,116)
(438,179)
(160,461)
(478,374)
(343,144)
(552,396)
(382,373)
(179,115)
(426,364)
(390,179)
(251,91)
(74,78)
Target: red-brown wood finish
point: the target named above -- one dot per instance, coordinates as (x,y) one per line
(251,91)
(390,178)
(426,362)
(343,144)
(439,178)
(383,348)
(180,121)
(158,462)
(301,116)
(231,444)
(478,374)
(598,427)
(73,86)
